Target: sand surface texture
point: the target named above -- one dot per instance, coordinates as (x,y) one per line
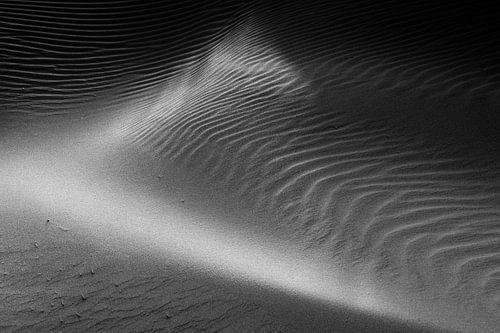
(228,167)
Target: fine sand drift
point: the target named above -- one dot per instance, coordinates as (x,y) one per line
(224,167)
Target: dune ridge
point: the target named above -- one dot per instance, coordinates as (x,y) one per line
(363,131)
(372,195)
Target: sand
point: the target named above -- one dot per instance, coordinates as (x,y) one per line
(248,168)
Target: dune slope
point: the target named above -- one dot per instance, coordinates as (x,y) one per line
(249,167)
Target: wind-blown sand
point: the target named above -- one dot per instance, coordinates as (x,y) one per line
(241,168)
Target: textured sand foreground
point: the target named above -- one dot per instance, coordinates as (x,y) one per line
(241,168)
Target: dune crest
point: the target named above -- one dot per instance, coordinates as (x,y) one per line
(338,153)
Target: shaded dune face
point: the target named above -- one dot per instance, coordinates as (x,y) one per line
(364,132)
(57,55)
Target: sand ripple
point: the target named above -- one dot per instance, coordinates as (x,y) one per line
(363,133)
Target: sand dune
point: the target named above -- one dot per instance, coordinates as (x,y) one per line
(227,167)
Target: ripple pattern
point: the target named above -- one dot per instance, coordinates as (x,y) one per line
(341,123)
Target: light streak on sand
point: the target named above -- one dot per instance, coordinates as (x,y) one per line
(70,183)
(85,202)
